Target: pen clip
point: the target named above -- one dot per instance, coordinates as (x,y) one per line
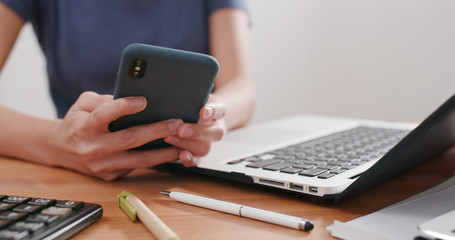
(123,204)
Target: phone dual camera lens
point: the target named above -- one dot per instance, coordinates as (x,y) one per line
(137,68)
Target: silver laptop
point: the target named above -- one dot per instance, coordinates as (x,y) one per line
(328,157)
(441,227)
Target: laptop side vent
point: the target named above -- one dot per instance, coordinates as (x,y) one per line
(271,182)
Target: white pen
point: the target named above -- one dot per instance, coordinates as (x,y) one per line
(243,211)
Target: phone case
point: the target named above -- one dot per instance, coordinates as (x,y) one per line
(176,84)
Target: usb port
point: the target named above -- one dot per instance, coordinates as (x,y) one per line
(296,187)
(313,189)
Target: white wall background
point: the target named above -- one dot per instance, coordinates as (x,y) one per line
(388,59)
(23,79)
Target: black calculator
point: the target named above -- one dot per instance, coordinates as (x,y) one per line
(40,218)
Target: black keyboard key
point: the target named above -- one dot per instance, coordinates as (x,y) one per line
(12,216)
(15,199)
(303,166)
(291,170)
(69,204)
(4,223)
(286,158)
(327,165)
(27,208)
(262,163)
(41,201)
(13,235)
(27,226)
(312,172)
(41,218)
(337,170)
(6,206)
(57,211)
(277,166)
(312,162)
(326,175)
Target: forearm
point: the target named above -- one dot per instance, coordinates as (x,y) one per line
(230,44)
(27,137)
(21,136)
(10,25)
(239,97)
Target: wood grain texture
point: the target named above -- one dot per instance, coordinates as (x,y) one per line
(190,222)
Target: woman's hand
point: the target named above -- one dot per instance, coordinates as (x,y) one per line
(84,142)
(196,139)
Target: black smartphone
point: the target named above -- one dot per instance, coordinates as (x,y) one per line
(176,84)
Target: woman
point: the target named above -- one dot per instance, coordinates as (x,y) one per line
(82,41)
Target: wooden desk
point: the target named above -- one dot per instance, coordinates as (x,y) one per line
(189,222)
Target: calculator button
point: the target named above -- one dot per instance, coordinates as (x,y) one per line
(69,204)
(27,208)
(16,235)
(15,199)
(11,215)
(27,226)
(58,211)
(4,223)
(6,206)
(40,218)
(41,201)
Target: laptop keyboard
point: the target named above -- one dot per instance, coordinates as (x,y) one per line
(330,155)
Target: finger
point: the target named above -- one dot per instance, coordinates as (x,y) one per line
(89,100)
(109,111)
(206,122)
(196,147)
(188,160)
(111,176)
(137,136)
(214,110)
(121,164)
(205,133)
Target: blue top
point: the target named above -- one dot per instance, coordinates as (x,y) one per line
(82,40)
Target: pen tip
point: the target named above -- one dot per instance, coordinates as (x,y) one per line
(308,226)
(305,225)
(165,192)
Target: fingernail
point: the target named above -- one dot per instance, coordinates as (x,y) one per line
(186,132)
(174,125)
(172,139)
(190,158)
(208,112)
(138,102)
